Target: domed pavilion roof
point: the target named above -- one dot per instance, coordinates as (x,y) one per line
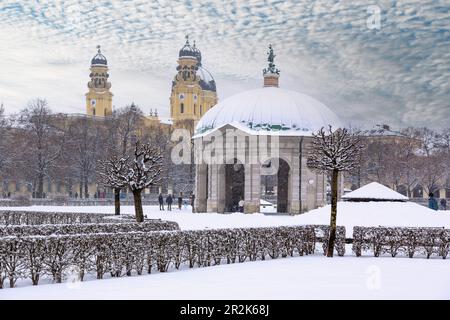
(269,110)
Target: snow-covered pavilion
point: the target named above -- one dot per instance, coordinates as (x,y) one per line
(285,120)
(374,191)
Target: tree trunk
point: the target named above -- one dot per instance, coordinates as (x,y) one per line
(138,205)
(40,191)
(86,189)
(12,282)
(334,197)
(117,201)
(81,188)
(35,278)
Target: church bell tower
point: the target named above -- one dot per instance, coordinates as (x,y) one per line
(193,87)
(99,97)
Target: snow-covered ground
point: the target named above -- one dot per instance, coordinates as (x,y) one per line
(309,277)
(349,214)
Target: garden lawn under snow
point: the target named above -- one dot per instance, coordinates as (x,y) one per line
(349,214)
(308,277)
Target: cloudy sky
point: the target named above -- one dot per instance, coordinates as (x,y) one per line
(395,72)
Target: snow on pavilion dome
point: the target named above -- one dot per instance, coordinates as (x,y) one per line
(374,191)
(269,110)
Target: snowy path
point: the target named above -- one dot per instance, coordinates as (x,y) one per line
(312,277)
(349,214)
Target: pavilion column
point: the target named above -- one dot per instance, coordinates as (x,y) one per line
(303,180)
(341,185)
(221,190)
(201,188)
(211,203)
(321,189)
(216,188)
(294,185)
(252,188)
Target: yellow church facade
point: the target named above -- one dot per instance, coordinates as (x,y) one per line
(99,96)
(193,87)
(193,90)
(193,93)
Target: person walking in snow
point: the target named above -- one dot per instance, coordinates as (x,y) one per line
(443,204)
(192,198)
(161,202)
(432,203)
(180,200)
(169,201)
(241,205)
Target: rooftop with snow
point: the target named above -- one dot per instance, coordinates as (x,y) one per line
(374,191)
(268,110)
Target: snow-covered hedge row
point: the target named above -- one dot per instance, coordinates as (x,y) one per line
(403,240)
(36,217)
(80,228)
(322,235)
(124,253)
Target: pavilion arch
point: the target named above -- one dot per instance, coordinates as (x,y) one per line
(220,186)
(283,182)
(234,185)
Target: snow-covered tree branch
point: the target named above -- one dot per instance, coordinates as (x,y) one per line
(137,172)
(334,151)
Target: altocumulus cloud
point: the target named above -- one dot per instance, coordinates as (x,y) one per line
(397,74)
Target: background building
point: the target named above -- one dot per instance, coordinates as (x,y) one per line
(278,119)
(99,97)
(193,88)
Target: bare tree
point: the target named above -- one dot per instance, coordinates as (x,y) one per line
(122,131)
(42,141)
(334,151)
(137,172)
(443,140)
(6,150)
(127,122)
(428,140)
(86,143)
(432,172)
(109,172)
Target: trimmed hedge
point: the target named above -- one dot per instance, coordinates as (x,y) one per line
(403,240)
(322,234)
(80,228)
(37,217)
(124,253)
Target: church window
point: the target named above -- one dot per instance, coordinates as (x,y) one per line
(201,110)
(195,109)
(105,113)
(93,111)
(182,108)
